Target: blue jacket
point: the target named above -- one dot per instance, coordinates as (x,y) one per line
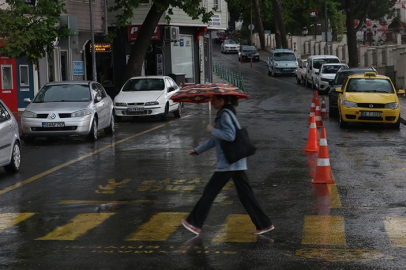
(224,129)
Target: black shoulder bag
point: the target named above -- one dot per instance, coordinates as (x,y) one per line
(240,148)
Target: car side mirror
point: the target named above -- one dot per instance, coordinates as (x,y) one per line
(170,89)
(27,100)
(97,99)
(338,90)
(401,92)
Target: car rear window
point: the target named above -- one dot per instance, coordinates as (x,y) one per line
(144,85)
(63,93)
(318,62)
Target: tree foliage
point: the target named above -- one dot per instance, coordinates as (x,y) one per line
(30,31)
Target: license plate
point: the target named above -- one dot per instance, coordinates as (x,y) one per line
(136,109)
(53,124)
(371,114)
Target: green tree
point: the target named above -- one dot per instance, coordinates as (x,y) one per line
(30,31)
(126,9)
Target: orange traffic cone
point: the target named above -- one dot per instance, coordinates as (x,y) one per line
(316,97)
(323,170)
(323,109)
(312,110)
(319,122)
(312,144)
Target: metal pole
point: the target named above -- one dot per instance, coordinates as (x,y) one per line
(93,47)
(326,22)
(251,26)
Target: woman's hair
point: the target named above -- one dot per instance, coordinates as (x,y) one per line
(233,100)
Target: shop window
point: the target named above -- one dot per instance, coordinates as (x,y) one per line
(24,76)
(182,58)
(217,5)
(6,77)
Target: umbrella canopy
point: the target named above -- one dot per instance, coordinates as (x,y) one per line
(201,93)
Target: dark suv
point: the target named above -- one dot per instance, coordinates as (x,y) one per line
(339,80)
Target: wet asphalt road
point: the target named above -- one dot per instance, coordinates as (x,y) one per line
(117,203)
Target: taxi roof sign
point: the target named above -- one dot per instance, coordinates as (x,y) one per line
(369,74)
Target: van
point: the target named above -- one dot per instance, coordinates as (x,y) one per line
(314,63)
(282,62)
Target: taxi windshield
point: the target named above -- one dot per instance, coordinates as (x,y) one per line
(369,85)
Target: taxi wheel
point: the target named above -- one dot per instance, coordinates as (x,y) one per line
(14,165)
(397,124)
(341,121)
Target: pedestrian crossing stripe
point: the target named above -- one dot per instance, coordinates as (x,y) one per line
(317,230)
(324,230)
(237,228)
(78,226)
(395,227)
(158,228)
(8,220)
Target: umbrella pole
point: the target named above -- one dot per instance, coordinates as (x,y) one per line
(209,112)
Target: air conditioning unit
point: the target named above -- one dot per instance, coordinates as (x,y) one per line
(172,33)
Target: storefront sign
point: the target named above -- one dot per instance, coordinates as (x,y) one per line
(78,68)
(133,30)
(215,20)
(101,47)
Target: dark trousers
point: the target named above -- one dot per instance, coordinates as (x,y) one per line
(247,198)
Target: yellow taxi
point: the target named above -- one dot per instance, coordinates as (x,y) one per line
(369,98)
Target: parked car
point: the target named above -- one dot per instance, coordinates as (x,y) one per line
(230,46)
(68,108)
(301,71)
(282,62)
(314,63)
(10,144)
(339,79)
(369,98)
(326,75)
(147,96)
(221,36)
(247,53)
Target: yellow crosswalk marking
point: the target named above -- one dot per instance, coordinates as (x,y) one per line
(335,197)
(238,228)
(158,228)
(395,227)
(78,226)
(324,230)
(8,220)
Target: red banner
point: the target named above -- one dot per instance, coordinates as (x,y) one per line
(133,30)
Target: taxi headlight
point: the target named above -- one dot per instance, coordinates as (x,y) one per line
(28,114)
(151,103)
(393,105)
(349,104)
(81,113)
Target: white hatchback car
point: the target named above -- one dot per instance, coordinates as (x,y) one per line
(147,96)
(326,74)
(10,153)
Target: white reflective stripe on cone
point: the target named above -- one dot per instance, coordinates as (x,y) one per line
(323,142)
(323,162)
(313,125)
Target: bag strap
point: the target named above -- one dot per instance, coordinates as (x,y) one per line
(233,118)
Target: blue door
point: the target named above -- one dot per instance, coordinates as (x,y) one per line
(25,81)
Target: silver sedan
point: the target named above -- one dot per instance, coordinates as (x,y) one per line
(68,108)
(10,153)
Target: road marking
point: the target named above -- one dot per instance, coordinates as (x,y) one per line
(78,226)
(158,228)
(324,230)
(54,169)
(395,227)
(8,220)
(238,228)
(334,196)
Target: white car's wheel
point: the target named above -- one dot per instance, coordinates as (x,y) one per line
(15,162)
(164,116)
(178,112)
(110,129)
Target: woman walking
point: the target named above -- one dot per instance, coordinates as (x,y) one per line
(225,129)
